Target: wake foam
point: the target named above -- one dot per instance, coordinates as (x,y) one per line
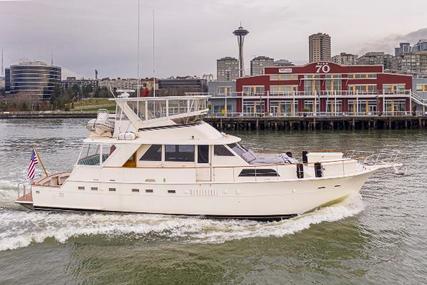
(7,199)
(21,228)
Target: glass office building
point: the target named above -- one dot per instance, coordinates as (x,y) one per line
(36,79)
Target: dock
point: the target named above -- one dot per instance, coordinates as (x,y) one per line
(268,122)
(318,123)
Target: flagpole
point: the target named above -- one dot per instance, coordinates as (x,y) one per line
(41,162)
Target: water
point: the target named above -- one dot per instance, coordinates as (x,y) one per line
(379,238)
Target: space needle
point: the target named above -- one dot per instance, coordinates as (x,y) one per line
(240,33)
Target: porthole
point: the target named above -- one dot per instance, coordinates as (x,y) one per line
(135,190)
(112,189)
(81,188)
(171,191)
(149,191)
(94,188)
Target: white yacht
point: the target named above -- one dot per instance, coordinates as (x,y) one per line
(157,155)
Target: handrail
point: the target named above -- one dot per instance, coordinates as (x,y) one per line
(382,157)
(334,93)
(418,99)
(23,187)
(310,114)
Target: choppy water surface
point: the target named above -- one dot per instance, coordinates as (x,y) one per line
(379,238)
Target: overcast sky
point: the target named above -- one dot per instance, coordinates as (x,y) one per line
(84,35)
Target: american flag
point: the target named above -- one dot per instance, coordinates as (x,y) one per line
(31,172)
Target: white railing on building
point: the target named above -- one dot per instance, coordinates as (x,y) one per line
(418,99)
(406,93)
(314,114)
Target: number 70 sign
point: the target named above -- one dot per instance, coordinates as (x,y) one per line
(323,68)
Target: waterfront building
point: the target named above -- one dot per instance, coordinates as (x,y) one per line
(119,83)
(345,59)
(259,63)
(69,82)
(419,85)
(283,62)
(227,68)
(322,88)
(34,79)
(181,86)
(219,103)
(319,47)
(2,83)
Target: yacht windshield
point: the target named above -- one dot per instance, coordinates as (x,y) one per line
(243,152)
(95,154)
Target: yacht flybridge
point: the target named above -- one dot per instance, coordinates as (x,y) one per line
(157,155)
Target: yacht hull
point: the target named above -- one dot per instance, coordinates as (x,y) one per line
(245,200)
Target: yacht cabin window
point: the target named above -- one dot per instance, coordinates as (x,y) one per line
(153,153)
(221,150)
(181,153)
(203,154)
(95,154)
(258,172)
(243,152)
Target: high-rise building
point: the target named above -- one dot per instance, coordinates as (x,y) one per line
(283,62)
(420,46)
(34,79)
(376,58)
(7,80)
(411,60)
(240,33)
(319,47)
(345,59)
(414,63)
(227,68)
(403,48)
(259,63)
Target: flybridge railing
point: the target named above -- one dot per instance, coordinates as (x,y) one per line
(148,108)
(314,94)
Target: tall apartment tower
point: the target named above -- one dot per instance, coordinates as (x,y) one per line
(227,69)
(319,47)
(259,63)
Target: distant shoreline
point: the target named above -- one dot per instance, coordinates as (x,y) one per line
(47,115)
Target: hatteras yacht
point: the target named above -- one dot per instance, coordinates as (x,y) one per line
(157,155)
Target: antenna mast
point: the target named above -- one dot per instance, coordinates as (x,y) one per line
(154,56)
(138,53)
(2,67)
